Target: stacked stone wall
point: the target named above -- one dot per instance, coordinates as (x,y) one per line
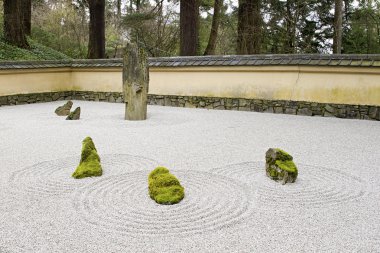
(238,104)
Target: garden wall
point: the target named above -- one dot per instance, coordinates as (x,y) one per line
(345,86)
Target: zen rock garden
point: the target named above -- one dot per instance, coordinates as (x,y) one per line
(163,187)
(189,126)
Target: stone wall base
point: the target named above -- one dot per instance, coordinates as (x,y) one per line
(239,104)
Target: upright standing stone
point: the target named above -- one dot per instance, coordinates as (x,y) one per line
(135,83)
(74,115)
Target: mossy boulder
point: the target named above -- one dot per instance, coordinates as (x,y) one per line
(74,115)
(89,165)
(64,110)
(164,187)
(280,166)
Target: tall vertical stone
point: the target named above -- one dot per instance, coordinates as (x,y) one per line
(135,82)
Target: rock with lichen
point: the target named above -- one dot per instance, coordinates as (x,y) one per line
(64,110)
(164,187)
(89,165)
(74,115)
(280,166)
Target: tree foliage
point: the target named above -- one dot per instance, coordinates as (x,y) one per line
(277,26)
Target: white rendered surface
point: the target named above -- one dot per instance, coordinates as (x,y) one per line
(219,157)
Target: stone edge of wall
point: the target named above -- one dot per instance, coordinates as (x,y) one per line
(238,104)
(343,60)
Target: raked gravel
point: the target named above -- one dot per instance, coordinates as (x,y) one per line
(230,205)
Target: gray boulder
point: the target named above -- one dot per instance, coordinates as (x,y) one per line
(280,166)
(74,115)
(64,110)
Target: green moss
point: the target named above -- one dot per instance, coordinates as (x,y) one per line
(164,187)
(35,52)
(288,166)
(89,165)
(274,174)
(283,156)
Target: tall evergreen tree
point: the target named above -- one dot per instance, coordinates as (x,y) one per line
(14,31)
(363,35)
(189,22)
(210,49)
(338,27)
(96,42)
(249,27)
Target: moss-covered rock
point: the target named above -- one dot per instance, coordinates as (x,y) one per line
(74,115)
(280,166)
(89,165)
(64,110)
(164,187)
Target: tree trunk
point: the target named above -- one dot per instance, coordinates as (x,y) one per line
(338,27)
(210,49)
(189,15)
(27,16)
(138,6)
(249,27)
(96,43)
(118,6)
(290,29)
(13,23)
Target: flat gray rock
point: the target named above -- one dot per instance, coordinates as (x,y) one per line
(64,110)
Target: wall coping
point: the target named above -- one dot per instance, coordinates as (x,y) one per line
(365,60)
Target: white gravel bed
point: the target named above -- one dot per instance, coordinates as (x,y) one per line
(219,157)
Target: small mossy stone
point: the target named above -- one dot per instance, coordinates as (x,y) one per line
(280,166)
(64,110)
(89,165)
(164,187)
(74,115)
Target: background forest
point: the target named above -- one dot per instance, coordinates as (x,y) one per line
(194,27)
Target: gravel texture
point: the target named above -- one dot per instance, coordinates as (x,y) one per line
(219,157)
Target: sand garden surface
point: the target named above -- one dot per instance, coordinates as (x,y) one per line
(219,158)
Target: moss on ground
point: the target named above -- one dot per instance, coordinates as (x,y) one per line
(36,51)
(89,165)
(164,187)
